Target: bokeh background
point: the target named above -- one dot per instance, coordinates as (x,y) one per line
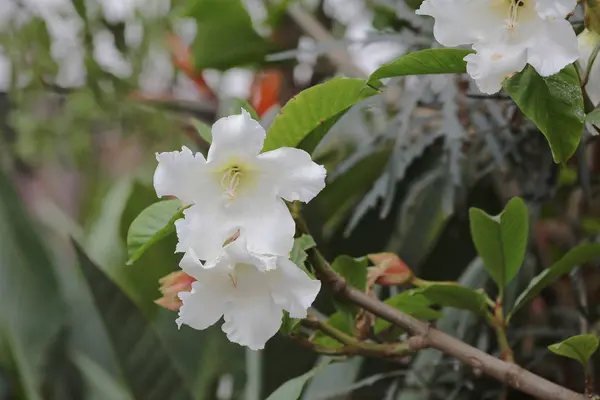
(91,89)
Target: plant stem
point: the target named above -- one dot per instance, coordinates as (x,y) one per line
(508,373)
(499,325)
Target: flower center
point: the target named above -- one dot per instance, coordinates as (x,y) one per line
(230,181)
(513,12)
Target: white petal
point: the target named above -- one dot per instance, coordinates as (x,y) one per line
(204,229)
(237,253)
(587,42)
(291,288)
(181,174)
(295,175)
(237,136)
(253,317)
(554,48)
(460,22)
(554,8)
(268,228)
(208,300)
(494,63)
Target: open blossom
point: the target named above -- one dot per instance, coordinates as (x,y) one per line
(249,290)
(507,35)
(236,188)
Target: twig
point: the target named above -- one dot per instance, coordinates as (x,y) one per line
(508,373)
(590,63)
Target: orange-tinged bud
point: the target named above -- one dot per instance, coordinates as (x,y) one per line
(390,269)
(170,286)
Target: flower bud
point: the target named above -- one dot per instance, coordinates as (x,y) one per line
(390,269)
(170,286)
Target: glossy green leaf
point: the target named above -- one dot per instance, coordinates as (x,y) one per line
(579,348)
(313,110)
(153,224)
(501,240)
(298,254)
(292,389)
(457,296)
(411,302)
(32,310)
(149,369)
(424,62)
(554,104)
(593,117)
(225,37)
(579,255)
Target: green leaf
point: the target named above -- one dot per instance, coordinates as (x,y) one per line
(298,254)
(203,129)
(153,224)
(225,37)
(313,110)
(501,240)
(593,117)
(411,302)
(554,104)
(577,256)
(457,296)
(32,311)
(579,348)
(150,370)
(289,324)
(430,61)
(292,389)
(354,270)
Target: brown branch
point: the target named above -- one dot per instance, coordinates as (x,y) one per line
(508,373)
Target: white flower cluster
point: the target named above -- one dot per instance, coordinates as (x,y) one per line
(506,35)
(239,225)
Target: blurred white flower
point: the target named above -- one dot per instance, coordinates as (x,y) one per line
(588,40)
(249,290)
(507,35)
(236,188)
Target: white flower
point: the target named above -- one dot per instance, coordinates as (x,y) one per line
(236,188)
(249,290)
(587,42)
(507,34)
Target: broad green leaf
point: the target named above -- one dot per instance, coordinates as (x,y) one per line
(501,240)
(149,369)
(411,302)
(153,224)
(579,348)
(593,117)
(554,104)
(312,110)
(298,253)
(203,129)
(225,37)
(292,389)
(354,271)
(579,255)
(430,61)
(32,311)
(457,296)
